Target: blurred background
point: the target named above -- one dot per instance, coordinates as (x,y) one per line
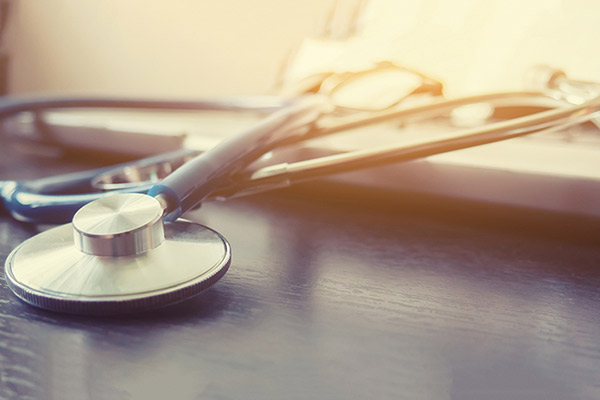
(200,49)
(188,48)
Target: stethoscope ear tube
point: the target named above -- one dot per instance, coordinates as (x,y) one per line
(198,178)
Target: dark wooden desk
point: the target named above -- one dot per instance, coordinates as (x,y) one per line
(334,298)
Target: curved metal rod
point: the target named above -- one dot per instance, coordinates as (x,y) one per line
(284,174)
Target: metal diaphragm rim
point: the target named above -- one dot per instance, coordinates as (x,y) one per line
(200,272)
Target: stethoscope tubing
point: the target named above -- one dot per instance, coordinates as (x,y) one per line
(55,199)
(190,184)
(221,172)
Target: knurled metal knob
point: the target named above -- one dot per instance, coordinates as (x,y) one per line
(118,225)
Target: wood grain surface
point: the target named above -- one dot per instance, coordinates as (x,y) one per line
(334,295)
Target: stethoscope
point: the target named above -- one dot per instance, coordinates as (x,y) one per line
(127,249)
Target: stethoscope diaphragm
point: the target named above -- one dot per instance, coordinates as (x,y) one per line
(50,272)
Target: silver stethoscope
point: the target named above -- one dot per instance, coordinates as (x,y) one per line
(127,249)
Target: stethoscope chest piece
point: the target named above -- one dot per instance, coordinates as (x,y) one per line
(117,257)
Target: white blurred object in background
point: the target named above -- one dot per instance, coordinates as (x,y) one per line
(190,48)
(200,49)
